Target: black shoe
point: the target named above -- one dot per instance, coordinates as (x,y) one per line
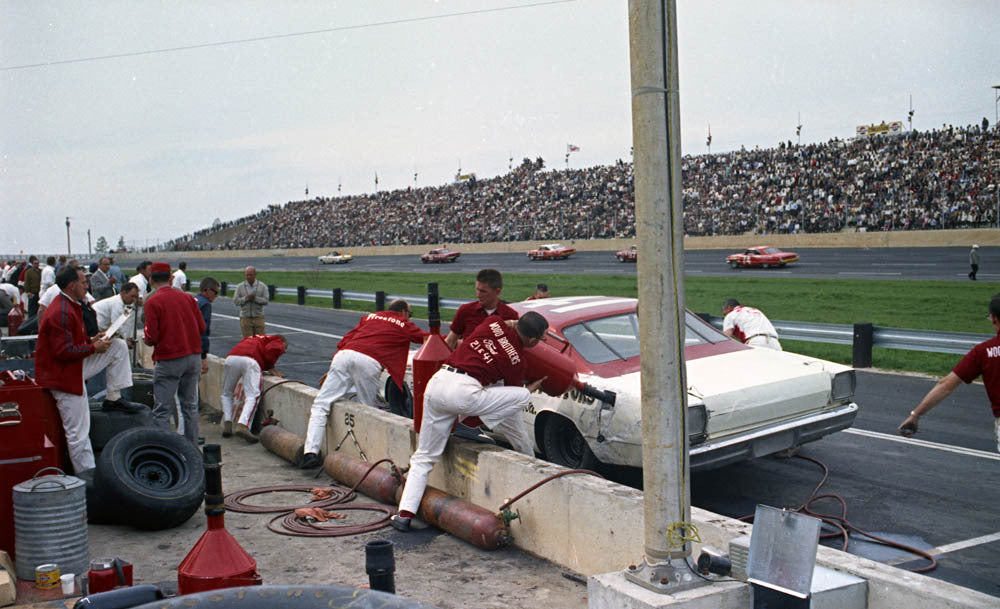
(400,523)
(122,405)
(471,433)
(309,461)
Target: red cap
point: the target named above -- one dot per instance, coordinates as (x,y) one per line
(160,267)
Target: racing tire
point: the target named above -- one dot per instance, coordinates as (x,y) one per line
(400,400)
(150,478)
(564,445)
(106,424)
(734,265)
(142,387)
(280,597)
(424,261)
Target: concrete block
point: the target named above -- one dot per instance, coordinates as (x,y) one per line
(613,591)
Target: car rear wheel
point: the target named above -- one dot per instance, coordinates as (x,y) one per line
(564,445)
(733,264)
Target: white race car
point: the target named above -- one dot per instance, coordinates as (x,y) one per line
(743,402)
(335,258)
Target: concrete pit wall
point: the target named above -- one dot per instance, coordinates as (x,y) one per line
(586,524)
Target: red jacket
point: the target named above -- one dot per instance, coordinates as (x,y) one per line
(490,353)
(471,314)
(265,349)
(385,336)
(62,346)
(173,324)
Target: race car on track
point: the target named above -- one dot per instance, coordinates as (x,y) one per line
(335,257)
(743,402)
(764,256)
(629,255)
(551,251)
(441,254)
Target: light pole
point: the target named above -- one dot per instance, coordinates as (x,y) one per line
(69,252)
(996,107)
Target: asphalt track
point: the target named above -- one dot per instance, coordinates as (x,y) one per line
(929,263)
(939,490)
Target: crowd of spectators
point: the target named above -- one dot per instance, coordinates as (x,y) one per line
(944,178)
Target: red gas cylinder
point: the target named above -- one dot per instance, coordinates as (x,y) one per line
(545,361)
(217,560)
(14,319)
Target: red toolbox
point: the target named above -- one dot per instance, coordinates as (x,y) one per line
(31,438)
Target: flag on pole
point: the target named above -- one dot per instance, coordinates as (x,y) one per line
(307,189)
(571,148)
(376,178)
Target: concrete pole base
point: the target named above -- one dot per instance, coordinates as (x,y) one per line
(614,591)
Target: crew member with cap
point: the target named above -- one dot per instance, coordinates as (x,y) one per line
(380,341)
(748,325)
(66,357)
(173,328)
(489,284)
(482,378)
(974,261)
(248,359)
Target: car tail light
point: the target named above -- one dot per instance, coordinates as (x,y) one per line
(696,422)
(843,386)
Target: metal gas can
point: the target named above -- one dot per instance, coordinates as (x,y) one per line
(107,574)
(50,524)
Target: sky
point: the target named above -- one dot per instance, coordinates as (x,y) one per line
(149,119)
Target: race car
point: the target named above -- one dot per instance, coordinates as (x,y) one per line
(629,255)
(743,402)
(442,254)
(335,257)
(551,251)
(764,256)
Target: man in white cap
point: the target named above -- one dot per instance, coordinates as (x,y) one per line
(974,261)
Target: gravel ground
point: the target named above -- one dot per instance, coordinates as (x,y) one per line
(431,566)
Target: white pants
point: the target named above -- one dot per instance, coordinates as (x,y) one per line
(246,367)
(450,395)
(348,369)
(762,340)
(74,410)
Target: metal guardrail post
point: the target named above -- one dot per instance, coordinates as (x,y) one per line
(302,294)
(271,291)
(223,288)
(338,296)
(380,301)
(864,339)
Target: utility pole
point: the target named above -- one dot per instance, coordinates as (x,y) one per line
(708,141)
(798,130)
(909,116)
(996,108)
(668,532)
(90,252)
(69,250)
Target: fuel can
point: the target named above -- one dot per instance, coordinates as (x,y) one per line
(108,573)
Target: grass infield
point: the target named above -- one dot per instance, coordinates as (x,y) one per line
(923,305)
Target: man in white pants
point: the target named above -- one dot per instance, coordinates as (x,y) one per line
(380,339)
(251,357)
(748,325)
(66,357)
(482,378)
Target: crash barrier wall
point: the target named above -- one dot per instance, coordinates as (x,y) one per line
(581,522)
(934,238)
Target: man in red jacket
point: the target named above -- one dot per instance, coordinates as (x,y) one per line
(66,356)
(248,359)
(380,340)
(173,328)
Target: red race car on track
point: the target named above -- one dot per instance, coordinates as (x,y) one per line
(629,255)
(442,254)
(551,251)
(764,256)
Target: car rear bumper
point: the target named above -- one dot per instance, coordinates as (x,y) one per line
(770,440)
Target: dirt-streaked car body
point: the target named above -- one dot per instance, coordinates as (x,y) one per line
(764,256)
(441,254)
(335,257)
(551,251)
(629,255)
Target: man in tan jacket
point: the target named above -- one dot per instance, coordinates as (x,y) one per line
(250,299)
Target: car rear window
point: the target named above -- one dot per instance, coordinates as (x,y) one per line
(617,337)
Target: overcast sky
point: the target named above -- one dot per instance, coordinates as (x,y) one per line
(153,145)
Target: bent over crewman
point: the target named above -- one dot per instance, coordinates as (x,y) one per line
(748,325)
(380,340)
(482,378)
(248,359)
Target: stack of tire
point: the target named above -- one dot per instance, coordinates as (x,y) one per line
(145,477)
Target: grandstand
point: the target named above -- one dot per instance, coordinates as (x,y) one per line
(940,179)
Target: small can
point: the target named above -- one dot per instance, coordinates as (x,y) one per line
(47,576)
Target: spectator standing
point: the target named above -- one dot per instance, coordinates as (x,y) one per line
(208,290)
(118,278)
(380,341)
(251,298)
(173,328)
(180,277)
(48,274)
(541,291)
(983,360)
(748,325)
(251,357)
(974,261)
(141,279)
(489,285)
(32,285)
(66,357)
(101,284)
(468,385)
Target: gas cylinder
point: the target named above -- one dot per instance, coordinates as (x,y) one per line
(559,371)
(217,560)
(14,319)
(431,355)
